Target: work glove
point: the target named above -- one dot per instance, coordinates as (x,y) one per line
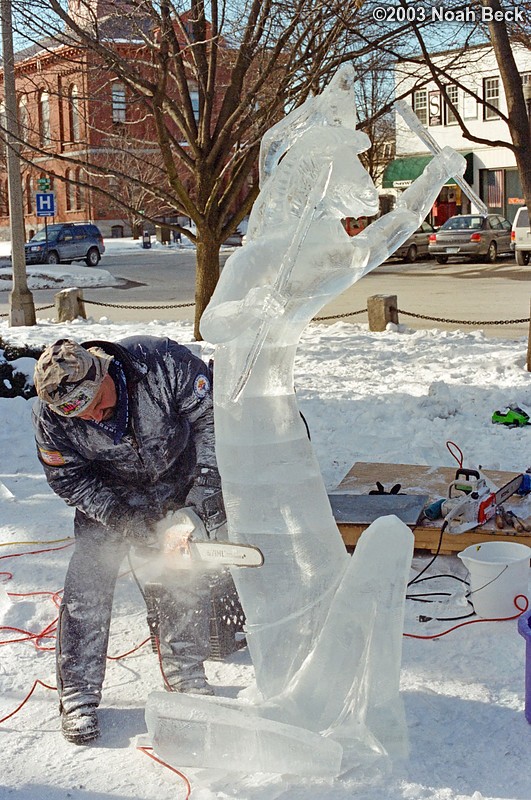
(382,490)
(136,526)
(206,499)
(179,527)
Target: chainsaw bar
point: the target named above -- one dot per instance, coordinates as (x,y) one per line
(226,553)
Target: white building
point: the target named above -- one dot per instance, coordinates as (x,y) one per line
(470,77)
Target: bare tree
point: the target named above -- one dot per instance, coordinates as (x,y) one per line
(462,27)
(209,79)
(375,91)
(127,158)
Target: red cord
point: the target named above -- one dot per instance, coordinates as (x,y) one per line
(17,709)
(37,552)
(8,578)
(160,761)
(161,666)
(138,646)
(473,621)
(459,455)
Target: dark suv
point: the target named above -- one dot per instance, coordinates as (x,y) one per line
(78,241)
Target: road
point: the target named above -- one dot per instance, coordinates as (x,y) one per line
(454,291)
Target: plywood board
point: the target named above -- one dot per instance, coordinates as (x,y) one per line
(417,479)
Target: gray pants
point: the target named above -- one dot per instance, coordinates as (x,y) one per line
(85,617)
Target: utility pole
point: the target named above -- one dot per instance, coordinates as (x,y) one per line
(21,306)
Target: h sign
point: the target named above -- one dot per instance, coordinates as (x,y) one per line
(45,204)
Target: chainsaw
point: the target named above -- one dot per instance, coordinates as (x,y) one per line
(472,500)
(185,543)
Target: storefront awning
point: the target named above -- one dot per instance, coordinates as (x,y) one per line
(401,172)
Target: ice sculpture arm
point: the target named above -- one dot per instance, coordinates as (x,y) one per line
(411,119)
(387,233)
(227,320)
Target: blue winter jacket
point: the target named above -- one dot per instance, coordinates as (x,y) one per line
(170,431)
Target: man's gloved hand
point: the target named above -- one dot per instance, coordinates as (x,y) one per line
(206,498)
(136,526)
(179,527)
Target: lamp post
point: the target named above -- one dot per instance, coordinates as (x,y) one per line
(21,306)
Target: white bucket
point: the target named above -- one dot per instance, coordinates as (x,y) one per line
(499,571)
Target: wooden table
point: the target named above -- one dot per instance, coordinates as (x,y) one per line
(434,481)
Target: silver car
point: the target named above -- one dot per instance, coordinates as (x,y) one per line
(417,244)
(470,236)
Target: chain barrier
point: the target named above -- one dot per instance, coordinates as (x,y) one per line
(463,321)
(42,308)
(446,320)
(137,308)
(340,316)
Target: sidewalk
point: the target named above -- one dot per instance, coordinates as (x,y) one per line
(456,291)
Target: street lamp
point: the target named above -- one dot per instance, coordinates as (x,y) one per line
(21,306)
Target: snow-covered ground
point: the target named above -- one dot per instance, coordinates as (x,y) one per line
(395,396)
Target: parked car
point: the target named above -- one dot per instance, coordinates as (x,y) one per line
(417,244)
(64,243)
(521,237)
(470,236)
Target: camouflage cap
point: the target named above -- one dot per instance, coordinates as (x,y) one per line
(68,376)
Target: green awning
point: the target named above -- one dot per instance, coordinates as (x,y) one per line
(401,172)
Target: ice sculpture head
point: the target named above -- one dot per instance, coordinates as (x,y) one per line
(326,126)
(335,106)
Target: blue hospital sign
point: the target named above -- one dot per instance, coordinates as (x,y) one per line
(45,204)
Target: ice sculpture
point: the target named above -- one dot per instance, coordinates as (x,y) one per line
(296,259)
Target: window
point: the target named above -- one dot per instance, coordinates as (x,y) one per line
(491,94)
(29,195)
(70,191)
(44,118)
(119,104)
(453,97)
(420,105)
(80,190)
(4,199)
(495,188)
(194,97)
(23,115)
(73,113)
(3,132)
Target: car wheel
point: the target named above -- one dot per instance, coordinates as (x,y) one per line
(411,254)
(52,257)
(492,253)
(522,257)
(441,259)
(93,257)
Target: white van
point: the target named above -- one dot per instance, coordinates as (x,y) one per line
(521,237)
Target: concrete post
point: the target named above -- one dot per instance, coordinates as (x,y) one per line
(69,305)
(381,309)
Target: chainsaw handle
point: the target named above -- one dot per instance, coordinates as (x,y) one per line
(467,473)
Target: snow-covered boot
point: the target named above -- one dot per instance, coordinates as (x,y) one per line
(192,686)
(80,725)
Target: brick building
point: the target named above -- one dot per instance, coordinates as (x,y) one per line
(77,116)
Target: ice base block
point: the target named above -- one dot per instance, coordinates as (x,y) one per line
(214,733)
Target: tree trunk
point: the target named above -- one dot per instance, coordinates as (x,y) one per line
(519,122)
(207,273)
